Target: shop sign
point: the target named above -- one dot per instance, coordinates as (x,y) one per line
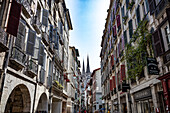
(125,87)
(143,94)
(152,66)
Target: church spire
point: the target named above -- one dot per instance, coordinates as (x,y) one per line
(88,66)
(83,70)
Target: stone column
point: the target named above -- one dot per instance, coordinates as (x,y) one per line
(154,98)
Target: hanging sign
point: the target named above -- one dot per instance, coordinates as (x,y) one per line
(152,66)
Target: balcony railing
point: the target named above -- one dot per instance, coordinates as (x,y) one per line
(36,24)
(45,38)
(161,5)
(42,76)
(17,58)
(32,68)
(3,40)
(26,7)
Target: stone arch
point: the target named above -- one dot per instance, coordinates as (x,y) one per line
(19,100)
(42,104)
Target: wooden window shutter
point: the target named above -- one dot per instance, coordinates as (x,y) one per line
(130,29)
(158,43)
(14,17)
(123,75)
(118,20)
(125,37)
(114,82)
(45,18)
(138,14)
(41,54)
(111,85)
(51,33)
(127,4)
(114,30)
(112,60)
(36,47)
(56,39)
(19,42)
(168,14)
(123,11)
(151,6)
(31,42)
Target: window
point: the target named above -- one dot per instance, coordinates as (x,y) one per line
(130,29)
(167,34)
(143,8)
(45,18)
(38,13)
(138,14)
(157,2)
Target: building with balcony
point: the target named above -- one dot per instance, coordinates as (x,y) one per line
(34,40)
(134,56)
(73,76)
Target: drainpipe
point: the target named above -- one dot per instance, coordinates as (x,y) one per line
(7,55)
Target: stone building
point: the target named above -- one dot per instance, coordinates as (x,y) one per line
(73,75)
(142,92)
(34,40)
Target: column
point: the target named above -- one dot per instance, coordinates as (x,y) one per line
(155,101)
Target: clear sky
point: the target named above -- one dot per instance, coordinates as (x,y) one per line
(88,19)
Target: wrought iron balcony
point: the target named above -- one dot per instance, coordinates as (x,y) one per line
(36,24)
(3,40)
(26,7)
(32,68)
(45,38)
(42,76)
(17,58)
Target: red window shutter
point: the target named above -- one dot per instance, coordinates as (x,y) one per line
(123,75)
(158,43)
(114,82)
(118,79)
(111,85)
(118,20)
(114,30)
(14,17)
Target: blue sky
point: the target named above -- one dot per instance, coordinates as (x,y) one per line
(88,19)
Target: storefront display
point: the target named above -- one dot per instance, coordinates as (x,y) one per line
(144,101)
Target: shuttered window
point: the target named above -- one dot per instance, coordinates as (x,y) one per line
(31,42)
(19,42)
(36,47)
(41,54)
(56,40)
(112,60)
(111,85)
(125,37)
(123,75)
(130,29)
(147,6)
(151,6)
(45,18)
(127,4)
(118,20)
(123,11)
(158,43)
(14,17)
(138,14)
(114,82)
(114,30)
(51,33)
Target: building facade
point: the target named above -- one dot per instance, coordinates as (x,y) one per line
(136,85)
(34,44)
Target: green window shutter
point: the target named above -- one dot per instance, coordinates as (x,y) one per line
(31,42)
(45,18)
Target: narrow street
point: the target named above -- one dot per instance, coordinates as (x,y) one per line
(84,56)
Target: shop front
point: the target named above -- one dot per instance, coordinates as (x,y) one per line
(144,102)
(123,104)
(165,79)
